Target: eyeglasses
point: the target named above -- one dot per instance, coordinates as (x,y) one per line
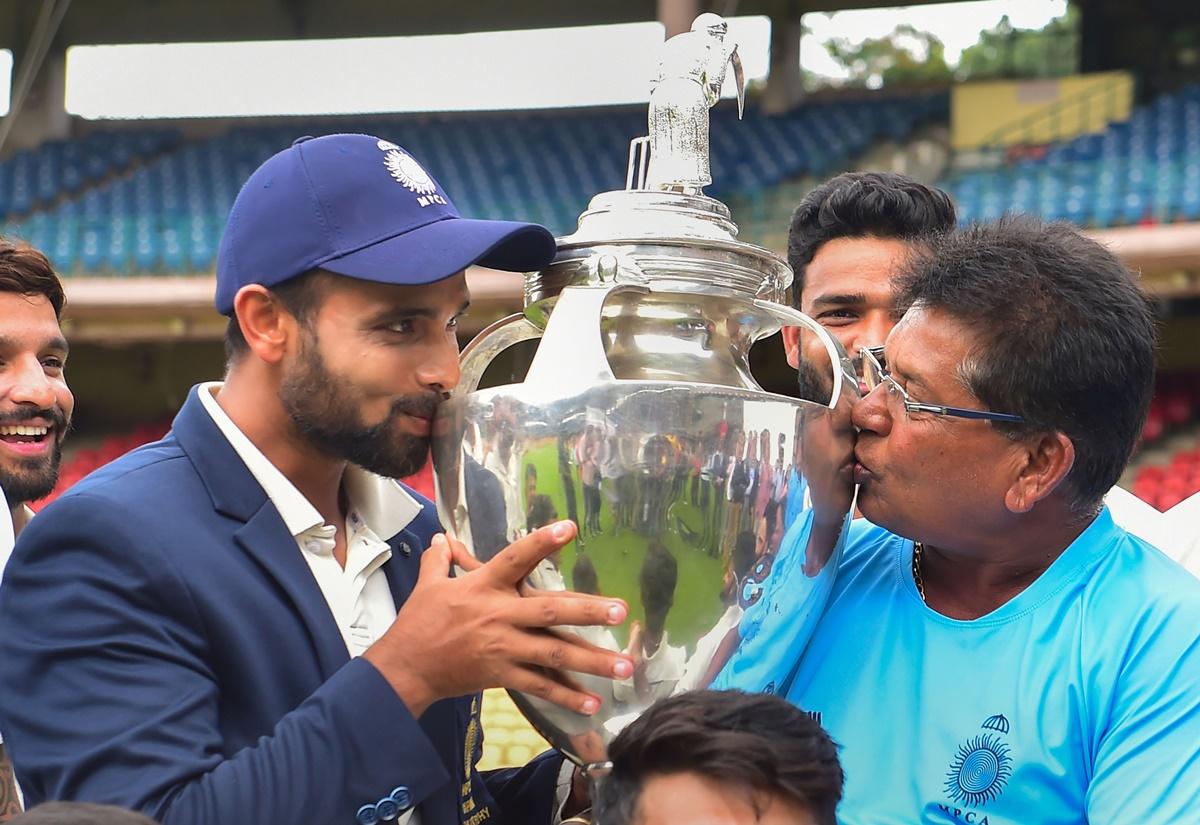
(875,373)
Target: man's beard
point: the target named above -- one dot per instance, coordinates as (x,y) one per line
(816,383)
(322,406)
(813,384)
(30,479)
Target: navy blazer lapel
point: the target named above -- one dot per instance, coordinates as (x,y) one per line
(404,566)
(234,491)
(264,536)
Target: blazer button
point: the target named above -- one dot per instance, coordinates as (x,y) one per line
(401,797)
(366,815)
(387,809)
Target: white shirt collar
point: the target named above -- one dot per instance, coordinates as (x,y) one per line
(384,505)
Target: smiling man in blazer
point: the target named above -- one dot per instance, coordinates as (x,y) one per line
(250,620)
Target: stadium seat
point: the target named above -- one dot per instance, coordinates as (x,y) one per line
(1144,169)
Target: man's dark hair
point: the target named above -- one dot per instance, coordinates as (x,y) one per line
(541,512)
(583,576)
(1065,338)
(80,813)
(300,296)
(27,271)
(864,204)
(658,577)
(757,740)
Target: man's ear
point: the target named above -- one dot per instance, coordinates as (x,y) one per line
(791,345)
(1046,462)
(266,325)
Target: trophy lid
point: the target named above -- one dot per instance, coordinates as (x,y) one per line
(662,232)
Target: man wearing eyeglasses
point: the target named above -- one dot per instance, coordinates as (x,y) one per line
(996,649)
(848,239)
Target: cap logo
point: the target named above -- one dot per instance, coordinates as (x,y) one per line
(405,169)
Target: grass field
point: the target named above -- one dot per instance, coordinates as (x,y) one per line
(618,555)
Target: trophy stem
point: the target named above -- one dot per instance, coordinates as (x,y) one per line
(595,773)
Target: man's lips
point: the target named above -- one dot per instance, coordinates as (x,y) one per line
(862,472)
(421,425)
(31,436)
(26,446)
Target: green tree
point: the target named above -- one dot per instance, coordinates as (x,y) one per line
(1007,52)
(904,57)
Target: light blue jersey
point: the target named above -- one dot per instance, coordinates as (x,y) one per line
(1078,701)
(781,599)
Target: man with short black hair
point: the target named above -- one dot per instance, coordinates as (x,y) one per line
(251,620)
(848,238)
(848,241)
(1036,661)
(722,758)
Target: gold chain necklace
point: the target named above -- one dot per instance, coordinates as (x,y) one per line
(917,551)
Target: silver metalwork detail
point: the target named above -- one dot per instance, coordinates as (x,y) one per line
(688,84)
(640,420)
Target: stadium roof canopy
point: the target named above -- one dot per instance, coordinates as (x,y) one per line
(152,21)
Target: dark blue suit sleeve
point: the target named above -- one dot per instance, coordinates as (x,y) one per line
(107,694)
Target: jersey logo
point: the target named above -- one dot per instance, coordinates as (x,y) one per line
(981,767)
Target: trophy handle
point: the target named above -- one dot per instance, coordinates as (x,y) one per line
(843,368)
(484,347)
(572,353)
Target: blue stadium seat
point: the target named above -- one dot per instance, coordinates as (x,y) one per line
(161,203)
(1145,168)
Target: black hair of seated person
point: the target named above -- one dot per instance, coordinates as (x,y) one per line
(583,576)
(658,577)
(80,813)
(756,740)
(541,512)
(1065,337)
(861,205)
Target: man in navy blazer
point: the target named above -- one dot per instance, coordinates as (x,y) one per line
(250,620)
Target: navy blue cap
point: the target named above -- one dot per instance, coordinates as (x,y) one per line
(362,207)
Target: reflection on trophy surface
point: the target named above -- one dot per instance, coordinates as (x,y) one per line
(639,419)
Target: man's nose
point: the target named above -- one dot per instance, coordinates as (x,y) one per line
(31,385)
(873,332)
(440,371)
(870,413)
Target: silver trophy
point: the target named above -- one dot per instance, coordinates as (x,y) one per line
(701,499)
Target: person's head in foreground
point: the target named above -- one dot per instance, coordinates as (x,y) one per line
(1012,392)
(342,271)
(721,758)
(35,402)
(80,813)
(848,239)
